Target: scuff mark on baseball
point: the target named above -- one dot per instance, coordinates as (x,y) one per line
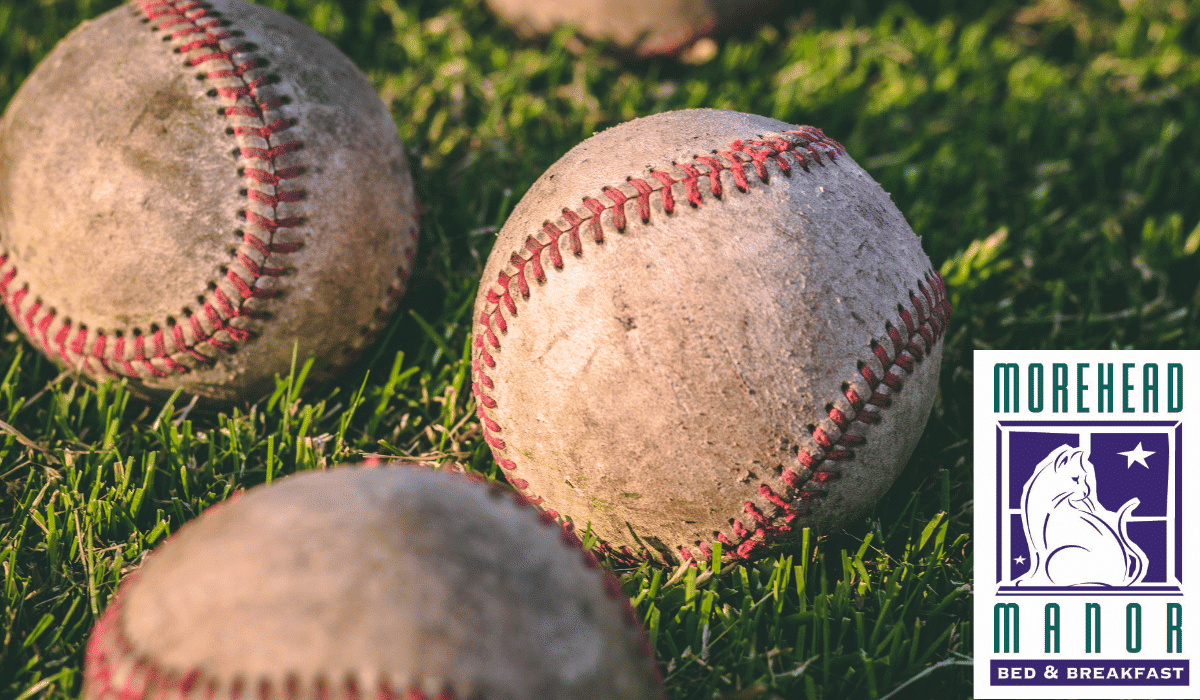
(706,326)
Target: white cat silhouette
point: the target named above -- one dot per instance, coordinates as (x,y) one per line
(1073,540)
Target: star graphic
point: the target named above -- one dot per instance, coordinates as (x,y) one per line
(1138,455)
(1020,560)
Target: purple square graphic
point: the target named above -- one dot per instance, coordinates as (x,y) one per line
(1119,478)
(1151,536)
(1019,548)
(1134,462)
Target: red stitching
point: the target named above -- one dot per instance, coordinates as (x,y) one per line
(7,278)
(768,493)
(169,7)
(739,171)
(929,329)
(522,284)
(535,260)
(643,198)
(214,56)
(198,28)
(690,183)
(255,110)
(208,41)
(618,209)
(668,200)
(145,679)
(597,208)
(43,325)
(270,154)
(555,254)
(573,220)
(806,145)
(714,174)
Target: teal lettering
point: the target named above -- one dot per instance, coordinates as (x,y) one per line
(1091,635)
(1104,387)
(1015,622)
(1174,387)
(1126,387)
(1035,387)
(1150,388)
(1133,628)
(1008,371)
(1052,628)
(1174,628)
(1059,380)
(1080,406)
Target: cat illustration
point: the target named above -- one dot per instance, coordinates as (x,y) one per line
(1073,540)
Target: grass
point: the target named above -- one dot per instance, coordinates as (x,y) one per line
(1041,151)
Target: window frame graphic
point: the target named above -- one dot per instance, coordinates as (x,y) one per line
(1171,429)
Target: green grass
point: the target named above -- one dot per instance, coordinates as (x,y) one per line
(1041,151)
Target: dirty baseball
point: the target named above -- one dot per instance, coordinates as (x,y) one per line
(189,190)
(397,582)
(640,27)
(705,326)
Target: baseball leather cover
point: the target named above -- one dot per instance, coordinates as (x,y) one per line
(706,326)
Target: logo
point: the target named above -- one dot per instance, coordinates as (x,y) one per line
(1090,509)
(1083,467)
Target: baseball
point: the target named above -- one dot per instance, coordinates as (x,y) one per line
(706,326)
(189,189)
(642,27)
(373,583)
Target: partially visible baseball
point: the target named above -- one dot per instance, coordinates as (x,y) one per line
(371,583)
(189,189)
(642,27)
(706,326)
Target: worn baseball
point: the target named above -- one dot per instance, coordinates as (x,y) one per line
(641,27)
(371,583)
(706,326)
(188,190)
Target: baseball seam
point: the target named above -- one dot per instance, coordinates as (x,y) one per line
(113,671)
(773,511)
